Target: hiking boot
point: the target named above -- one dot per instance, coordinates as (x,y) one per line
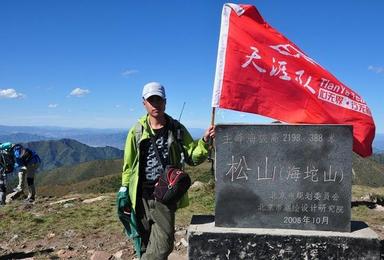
(29,200)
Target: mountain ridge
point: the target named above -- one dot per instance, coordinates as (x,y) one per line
(67,152)
(83,177)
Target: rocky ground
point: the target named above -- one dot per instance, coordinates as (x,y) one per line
(69,243)
(73,247)
(86,227)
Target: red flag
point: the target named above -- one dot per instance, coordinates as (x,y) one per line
(260,71)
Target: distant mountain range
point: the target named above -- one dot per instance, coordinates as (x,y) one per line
(89,136)
(99,137)
(53,131)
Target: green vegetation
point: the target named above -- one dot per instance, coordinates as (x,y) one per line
(67,152)
(71,223)
(360,191)
(104,176)
(201,200)
(70,175)
(97,176)
(379,157)
(373,218)
(103,184)
(367,172)
(78,220)
(89,177)
(97,218)
(43,219)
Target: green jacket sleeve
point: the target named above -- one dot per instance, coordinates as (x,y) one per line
(130,155)
(197,151)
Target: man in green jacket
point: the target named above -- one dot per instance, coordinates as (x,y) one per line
(147,221)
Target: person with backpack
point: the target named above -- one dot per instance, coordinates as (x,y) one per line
(155,142)
(26,161)
(6,166)
(3,185)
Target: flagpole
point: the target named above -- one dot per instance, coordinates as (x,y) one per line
(213,115)
(210,143)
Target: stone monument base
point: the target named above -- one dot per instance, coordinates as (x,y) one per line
(209,242)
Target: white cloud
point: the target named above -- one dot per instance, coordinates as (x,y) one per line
(10,93)
(79,92)
(128,73)
(376,69)
(53,105)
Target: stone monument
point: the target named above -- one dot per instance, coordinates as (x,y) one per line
(283,192)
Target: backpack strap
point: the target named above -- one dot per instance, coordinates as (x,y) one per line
(27,156)
(177,132)
(175,127)
(138,133)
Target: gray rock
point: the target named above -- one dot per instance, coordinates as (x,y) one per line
(184,242)
(64,201)
(197,185)
(176,256)
(101,255)
(87,201)
(122,255)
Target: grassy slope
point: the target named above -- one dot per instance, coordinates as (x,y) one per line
(367,172)
(80,178)
(76,222)
(373,218)
(91,177)
(44,218)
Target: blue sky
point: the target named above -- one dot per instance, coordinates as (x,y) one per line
(82,63)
